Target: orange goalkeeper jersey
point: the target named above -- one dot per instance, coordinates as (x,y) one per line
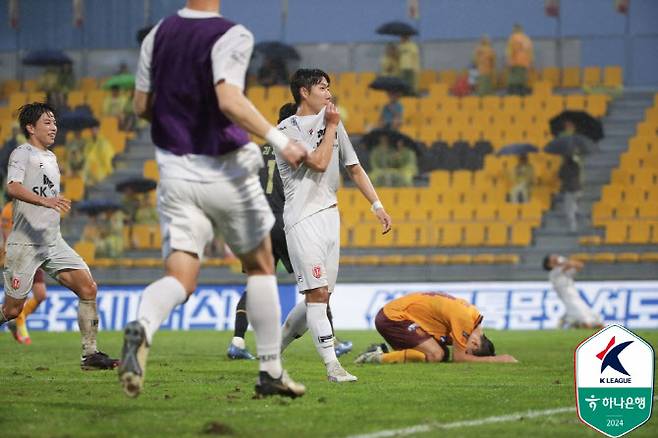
(438,314)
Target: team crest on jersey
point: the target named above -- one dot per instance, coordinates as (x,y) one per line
(15,282)
(317,271)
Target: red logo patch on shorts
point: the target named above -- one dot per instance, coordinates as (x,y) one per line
(15,283)
(317,271)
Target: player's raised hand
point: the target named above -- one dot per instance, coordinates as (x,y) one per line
(384,219)
(58,203)
(294,153)
(331,114)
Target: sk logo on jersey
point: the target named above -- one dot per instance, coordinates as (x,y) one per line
(611,359)
(41,190)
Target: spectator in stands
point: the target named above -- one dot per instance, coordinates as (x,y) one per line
(273,72)
(114,104)
(66,79)
(485,62)
(56,84)
(390,62)
(146,212)
(570,174)
(99,154)
(392,113)
(128,121)
(395,167)
(519,60)
(409,62)
(110,235)
(75,155)
(521,180)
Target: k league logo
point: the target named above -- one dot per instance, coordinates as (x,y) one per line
(614,371)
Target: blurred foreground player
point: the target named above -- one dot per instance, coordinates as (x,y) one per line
(18,326)
(421,326)
(35,240)
(561,274)
(270,180)
(189,84)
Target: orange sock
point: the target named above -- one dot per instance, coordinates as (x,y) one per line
(29,307)
(403,356)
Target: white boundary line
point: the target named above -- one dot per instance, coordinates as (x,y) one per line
(466,423)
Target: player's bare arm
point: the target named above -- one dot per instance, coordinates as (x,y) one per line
(142,104)
(362,181)
(319,159)
(17,191)
(234,104)
(459,355)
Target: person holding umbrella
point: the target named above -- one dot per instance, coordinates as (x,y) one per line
(522,178)
(390,62)
(409,60)
(570,174)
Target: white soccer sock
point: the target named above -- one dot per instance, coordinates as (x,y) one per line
(238,342)
(158,300)
(264,313)
(88,324)
(295,325)
(318,323)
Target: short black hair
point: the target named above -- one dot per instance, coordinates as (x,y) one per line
(486,347)
(306,78)
(546,263)
(287,110)
(29,113)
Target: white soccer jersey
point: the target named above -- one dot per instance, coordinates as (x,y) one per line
(306,190)
(37,170)
(577,310)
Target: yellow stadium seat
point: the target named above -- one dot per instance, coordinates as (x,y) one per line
(491,103)
(9,86)
(408,235)
(603,257)
(510,259)
(474,234)
(438,259)
(611,193)
(643,145)
(591,76)
(620,177)
(508,213)
(590,240)
(74,188)
(616,232)
(634,195)
(612,76)
(366,77)
(461,179)
(639,232)
(414,259)
(16,100)
(484,259)
(151,170)
(596,104)
(146,236)
(438,90)
(551,75)
(571,77)
(648,210)
(650,257)
(602,212)
(440,179)
(496,234)
(470,104)
(427,78)
(521,234)
(36,96)
(362,235)
(75,98)
(486,212)
(575,102)
(86,250)
(448,77)
(553,105)
(463,213)
(627,257)
(88,84)
(450,234)
(625,211)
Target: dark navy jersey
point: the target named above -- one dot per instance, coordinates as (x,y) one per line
(271,181)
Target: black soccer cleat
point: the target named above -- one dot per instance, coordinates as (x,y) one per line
(133,359)
(283,386)
(98,361)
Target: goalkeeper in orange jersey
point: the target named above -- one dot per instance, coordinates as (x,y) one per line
(421,326)
(18,326)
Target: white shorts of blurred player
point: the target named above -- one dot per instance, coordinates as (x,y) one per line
(314,248)
(189,209)
(22,262)
(577,312)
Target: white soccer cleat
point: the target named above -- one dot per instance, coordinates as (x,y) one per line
(336,373)
(370,356)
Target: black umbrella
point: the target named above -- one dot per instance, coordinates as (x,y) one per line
(47,58)
(390,83)
(397,28)
(138,185)
(570,145)
(584,122)
(92,207)
(277,49)
(517,149)
(77,120)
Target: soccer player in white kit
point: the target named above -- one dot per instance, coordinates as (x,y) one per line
(310,216)
(562,271)
(189,84)
(35,240)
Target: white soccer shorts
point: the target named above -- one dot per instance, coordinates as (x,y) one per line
(314,248)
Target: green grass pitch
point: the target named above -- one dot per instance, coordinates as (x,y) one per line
(193,390)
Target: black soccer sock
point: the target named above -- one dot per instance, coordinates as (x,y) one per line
(241,321)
